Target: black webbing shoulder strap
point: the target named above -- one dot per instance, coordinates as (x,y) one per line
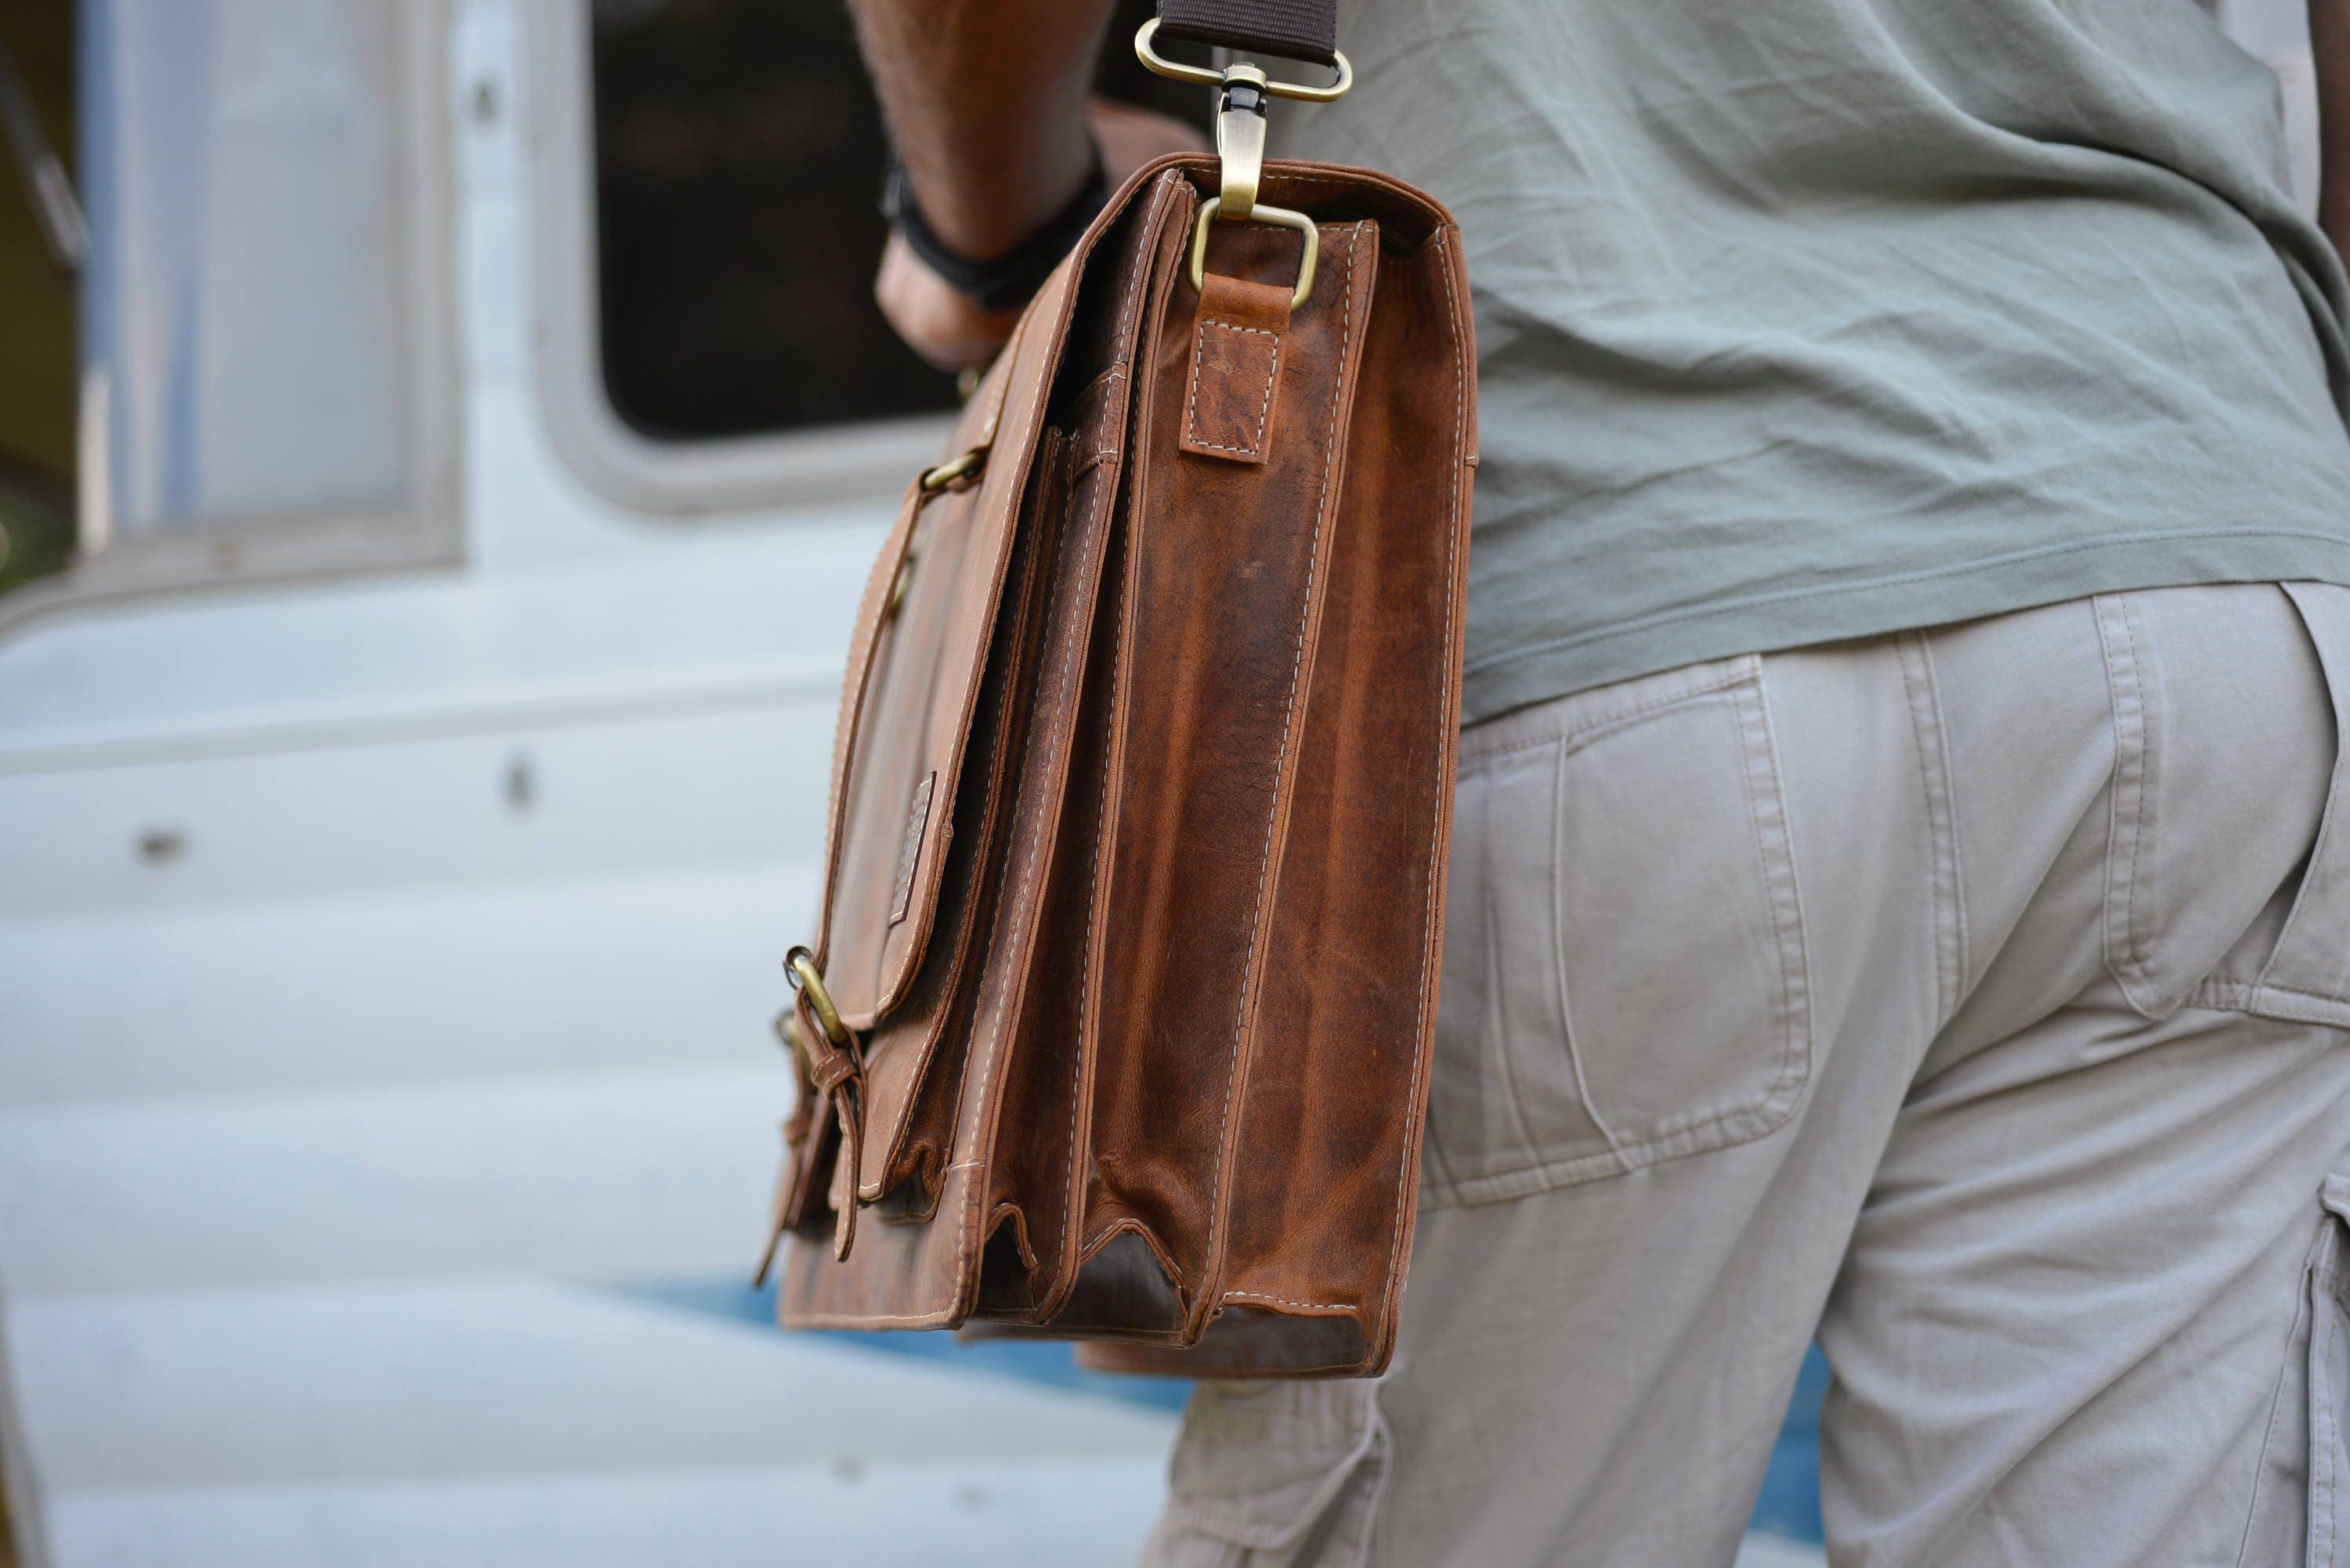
(1295,29)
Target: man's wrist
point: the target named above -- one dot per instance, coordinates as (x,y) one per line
(985,192)
(1007,278)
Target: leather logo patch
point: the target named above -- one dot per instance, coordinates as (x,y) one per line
(910,854)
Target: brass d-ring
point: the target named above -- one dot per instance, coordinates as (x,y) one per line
(946,474)
(801,964)
(1261,213)
(898,585)
(787,1031)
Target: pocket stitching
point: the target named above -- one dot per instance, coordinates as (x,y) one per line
(2322,1495)
(2125,830)
(1586,730)
(2305,1311)
(1688,1133)
(2328,816)
(1786,906)
(1502,1052)
(2259,996)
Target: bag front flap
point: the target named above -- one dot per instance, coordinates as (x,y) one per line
(918,661)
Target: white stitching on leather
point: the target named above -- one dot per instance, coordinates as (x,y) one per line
(864,635)
(1445,726)
(1028,851)
(1281,757)
(1027,860)
(996,782)
(1067,490)
(1285,1301)
(1091,1249)
(1134,278)
(993,428)
(1028,881)
(1071,1216)
(1027,868)
(1265,409)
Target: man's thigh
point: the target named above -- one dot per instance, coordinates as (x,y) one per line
(2083,1303)
(2074,1324)
(1970,940)
(1695,948)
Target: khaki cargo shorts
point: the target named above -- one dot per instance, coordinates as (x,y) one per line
(1973,1000)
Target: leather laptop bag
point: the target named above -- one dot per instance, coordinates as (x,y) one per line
(1117,1017)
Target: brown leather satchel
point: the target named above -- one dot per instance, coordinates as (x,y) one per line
(1117,1020)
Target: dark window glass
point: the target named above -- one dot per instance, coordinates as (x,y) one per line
(738,165)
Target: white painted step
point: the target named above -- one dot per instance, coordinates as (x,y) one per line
(1087,1513)
(548,975)
(624,1175)
(525,1424)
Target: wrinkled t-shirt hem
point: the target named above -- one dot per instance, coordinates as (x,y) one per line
(1878,606)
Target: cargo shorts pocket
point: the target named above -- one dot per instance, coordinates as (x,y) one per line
(2329,1384)
(1625,978)
(1274,1475)
(2301,1497)
(2292,965)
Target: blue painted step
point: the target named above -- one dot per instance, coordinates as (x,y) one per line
(1788,1505)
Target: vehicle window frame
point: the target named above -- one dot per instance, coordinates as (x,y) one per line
(234,550)
(670,480)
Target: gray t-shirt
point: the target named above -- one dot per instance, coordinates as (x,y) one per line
(1808,319)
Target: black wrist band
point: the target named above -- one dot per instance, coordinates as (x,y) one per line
(1009,279)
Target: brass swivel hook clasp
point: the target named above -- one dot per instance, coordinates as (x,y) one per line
(1243,91)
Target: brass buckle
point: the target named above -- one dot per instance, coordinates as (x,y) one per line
(800,965)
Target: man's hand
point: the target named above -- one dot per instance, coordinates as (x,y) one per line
(948,328)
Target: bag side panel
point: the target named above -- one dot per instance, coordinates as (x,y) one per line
(1225,561)
(1326,1177)
(1047,1064)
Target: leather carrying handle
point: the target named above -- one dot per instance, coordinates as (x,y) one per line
(1295,29)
